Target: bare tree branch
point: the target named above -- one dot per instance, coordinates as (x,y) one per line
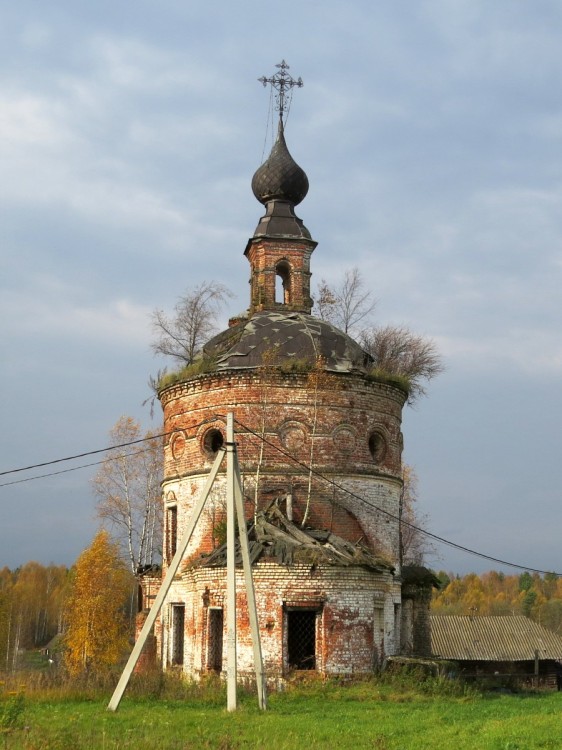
(414,544)
(128,493)
(192,323)
(346,305)
(398,351)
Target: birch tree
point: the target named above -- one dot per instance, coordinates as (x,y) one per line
(97,622)
(347,304)
(415,546)
(193,321)
(127,487)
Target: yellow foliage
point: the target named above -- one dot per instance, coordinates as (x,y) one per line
(495,593)
(97,633)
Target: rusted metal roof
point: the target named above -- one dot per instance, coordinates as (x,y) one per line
(285,338)
(493,638)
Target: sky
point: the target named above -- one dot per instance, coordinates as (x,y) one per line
(431,133)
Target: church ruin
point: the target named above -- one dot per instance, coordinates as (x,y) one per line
(319,442)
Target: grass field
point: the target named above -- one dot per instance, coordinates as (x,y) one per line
(384,715)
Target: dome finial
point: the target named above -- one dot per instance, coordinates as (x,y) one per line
(283,82)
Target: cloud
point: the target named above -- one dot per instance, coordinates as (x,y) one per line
(50,309)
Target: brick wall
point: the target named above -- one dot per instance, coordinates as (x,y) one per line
(349,430)
(332,431)
(355,610)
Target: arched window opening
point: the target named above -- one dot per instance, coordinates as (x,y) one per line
(213,440)
(377,447)
(283,283)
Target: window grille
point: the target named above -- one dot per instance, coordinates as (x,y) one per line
(216,629)
(178,620)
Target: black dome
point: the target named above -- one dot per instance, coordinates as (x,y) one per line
(293,336)
(280,177)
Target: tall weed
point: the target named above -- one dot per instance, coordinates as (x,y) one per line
(12,708)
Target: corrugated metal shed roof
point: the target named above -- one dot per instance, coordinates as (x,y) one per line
(500,638)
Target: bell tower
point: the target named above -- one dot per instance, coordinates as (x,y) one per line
(280,250)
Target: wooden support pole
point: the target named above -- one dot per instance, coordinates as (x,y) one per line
(231,666)
(250,593)
(165,587)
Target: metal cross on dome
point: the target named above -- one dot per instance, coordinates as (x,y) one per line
(282,82)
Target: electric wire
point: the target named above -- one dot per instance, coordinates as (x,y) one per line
(291,457)
(429,534)
(96,452)
(74,468)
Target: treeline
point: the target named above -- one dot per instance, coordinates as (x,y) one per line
(91,606)
(535,596)
(32,608)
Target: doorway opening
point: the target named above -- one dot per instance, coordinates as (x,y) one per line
(301,638)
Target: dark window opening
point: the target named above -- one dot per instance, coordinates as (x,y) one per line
(283,283)
(213,441)
(301,638)
(377,447)
(171,533)
(178,620)
(216,628)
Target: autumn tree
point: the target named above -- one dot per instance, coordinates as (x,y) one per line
(495,593)
(32,605)
(97,622)
(347,304)
(127,487)
(414,544)
(194,320)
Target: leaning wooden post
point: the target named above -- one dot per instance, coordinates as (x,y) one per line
(165,587)
(231,667)
(250,593)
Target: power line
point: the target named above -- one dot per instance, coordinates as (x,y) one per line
(92,453)
(429,534)
(327,480)
(83,455)
(74,468)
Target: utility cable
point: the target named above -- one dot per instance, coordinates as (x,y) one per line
(99,450)
(74,468)
(310,469)
(429,534)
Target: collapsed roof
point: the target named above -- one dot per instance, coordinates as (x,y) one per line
(273,537)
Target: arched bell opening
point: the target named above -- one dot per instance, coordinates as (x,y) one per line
(283,283)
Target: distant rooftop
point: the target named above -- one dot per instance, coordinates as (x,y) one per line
(492,638)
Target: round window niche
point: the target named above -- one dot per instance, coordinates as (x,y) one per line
(377,447)
(178,445)
(344,439)
(292,436)
(213,441)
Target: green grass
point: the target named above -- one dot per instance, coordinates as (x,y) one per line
(200,366)
(384,715)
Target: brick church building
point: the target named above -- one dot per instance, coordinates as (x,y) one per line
(319,443)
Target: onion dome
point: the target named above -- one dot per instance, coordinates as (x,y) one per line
(280,177)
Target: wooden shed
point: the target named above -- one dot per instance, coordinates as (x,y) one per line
(505,647)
